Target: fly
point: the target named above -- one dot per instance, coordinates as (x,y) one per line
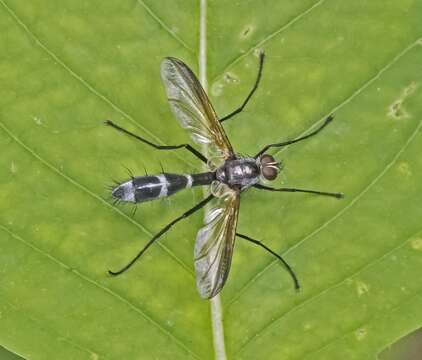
(228,175)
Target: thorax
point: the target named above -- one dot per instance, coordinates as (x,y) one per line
(240,172)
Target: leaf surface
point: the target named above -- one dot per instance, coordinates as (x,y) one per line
(65,67)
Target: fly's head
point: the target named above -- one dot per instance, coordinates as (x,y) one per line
(269,167)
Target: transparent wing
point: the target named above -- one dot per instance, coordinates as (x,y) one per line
(192,108)
(215,242)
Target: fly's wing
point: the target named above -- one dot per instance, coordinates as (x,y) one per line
(214,244)
(192,108)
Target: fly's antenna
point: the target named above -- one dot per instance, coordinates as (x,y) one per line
(273,166)
(276,165)
(280,165)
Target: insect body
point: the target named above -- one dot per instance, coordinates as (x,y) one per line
(239,173)
(145,188)
(229,175)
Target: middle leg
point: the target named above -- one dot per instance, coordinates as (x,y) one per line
(158,147)
(258,78)
(266,147)
(286,265)
(269,188)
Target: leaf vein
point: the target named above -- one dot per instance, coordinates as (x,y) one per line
(268,38)
(92,194)
(84,82)
(137,309)
(315,297)
(62,338)
(366,322)
(343,103)
(164,26)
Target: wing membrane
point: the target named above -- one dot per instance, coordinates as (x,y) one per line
(214,244)
(192,108)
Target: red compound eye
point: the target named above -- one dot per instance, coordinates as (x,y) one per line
(269,167)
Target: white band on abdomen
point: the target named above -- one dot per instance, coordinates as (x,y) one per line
(190,181)
(164,186)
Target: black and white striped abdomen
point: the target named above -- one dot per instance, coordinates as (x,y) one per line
(146,188)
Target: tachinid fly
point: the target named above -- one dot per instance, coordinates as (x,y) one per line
(229,175)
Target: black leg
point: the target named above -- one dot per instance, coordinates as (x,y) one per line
(286,265)
(258,78)
(266,147)
(161,232)
(158,147)
(264,187)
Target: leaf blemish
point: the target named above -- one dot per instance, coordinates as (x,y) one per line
(416,244)
(360,334)
(13,168)
(230,78)
(247,31)
(396,110)
(307,327)
(361,288)
(404,169)
(217,89)
(37,120)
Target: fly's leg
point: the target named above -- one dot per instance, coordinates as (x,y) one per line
(158,147)
(266,147)
(258,78)
(266,248)
(269,188)
(166,228)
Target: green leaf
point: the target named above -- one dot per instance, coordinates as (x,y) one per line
(407,348)
(65,67)
(7,355)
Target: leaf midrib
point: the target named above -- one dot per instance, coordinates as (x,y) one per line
(228,66)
